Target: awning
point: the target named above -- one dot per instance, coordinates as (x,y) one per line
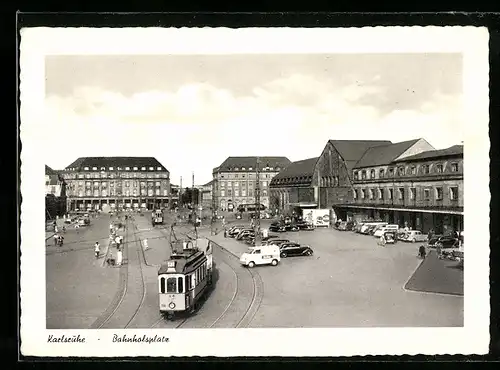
(442,211)
(304,205)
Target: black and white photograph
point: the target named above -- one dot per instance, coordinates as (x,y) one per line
(278,192)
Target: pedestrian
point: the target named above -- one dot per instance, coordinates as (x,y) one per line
(421,252)
(431,234)
(119,256)
(56,239)
(60,240)
(97,249)
(382,241)
(117,241)
(225,233)
(56,229)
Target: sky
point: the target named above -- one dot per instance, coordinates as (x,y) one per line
(193,111)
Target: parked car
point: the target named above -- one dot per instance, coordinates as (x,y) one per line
(233,233)
(342,226)
(442,242)
(303,225)
(245,233)
(393,228)
(369,230)
(350,225)
(414,236)
(282,227)
(277,242)
(295,249)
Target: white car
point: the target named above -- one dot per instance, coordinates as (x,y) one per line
(414,236)
(384,229)
(262,255)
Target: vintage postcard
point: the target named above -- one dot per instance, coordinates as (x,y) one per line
(254,192)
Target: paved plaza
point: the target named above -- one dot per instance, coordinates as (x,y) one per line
(350,281)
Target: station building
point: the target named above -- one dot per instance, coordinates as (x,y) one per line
(423,191)
(116,183)
(234,180)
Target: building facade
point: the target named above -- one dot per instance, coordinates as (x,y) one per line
(117,183)
(235,179)
(423,191)
(55,194)
(206,195)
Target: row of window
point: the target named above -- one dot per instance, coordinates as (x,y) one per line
(244,176)
(126,184)
(242,194)
(288,180)
(177,284)
(105,175)
(237,184)
(95,168)
(112,192)
(412,170)
(388,193)
(251,169)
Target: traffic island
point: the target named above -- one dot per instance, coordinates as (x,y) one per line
(435,275)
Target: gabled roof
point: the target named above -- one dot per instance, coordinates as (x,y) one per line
(455,150)
(304,167)
(384,154)
(231,163)
(49,171)
(208,183)
(116,162)
(352,150)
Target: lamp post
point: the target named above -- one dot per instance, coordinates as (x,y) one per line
(257,204)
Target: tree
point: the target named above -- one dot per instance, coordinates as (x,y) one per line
(190,196)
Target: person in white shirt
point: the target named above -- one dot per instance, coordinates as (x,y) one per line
(97,249)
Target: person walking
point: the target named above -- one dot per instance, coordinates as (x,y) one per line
(56,239)
(119,256)
(97,249)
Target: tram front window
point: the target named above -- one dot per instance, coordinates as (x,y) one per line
(172,285)
(250,251)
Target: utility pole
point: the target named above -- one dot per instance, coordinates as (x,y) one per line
(319,190)
(257,204)
(192,202)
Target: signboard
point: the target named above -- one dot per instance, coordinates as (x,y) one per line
(321,217)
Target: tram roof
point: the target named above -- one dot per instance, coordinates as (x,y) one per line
(182,262)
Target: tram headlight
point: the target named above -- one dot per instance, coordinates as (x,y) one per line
(171,305)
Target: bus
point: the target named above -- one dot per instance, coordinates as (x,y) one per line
(250,207)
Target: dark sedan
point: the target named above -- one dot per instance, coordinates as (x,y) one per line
(443,242)
(295,249)
(281,227)
(303,225)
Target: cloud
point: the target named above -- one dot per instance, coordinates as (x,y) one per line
(291,116)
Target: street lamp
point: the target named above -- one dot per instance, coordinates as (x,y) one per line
(257,203)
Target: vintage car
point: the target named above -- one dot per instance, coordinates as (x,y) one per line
(445,242)
(295,249)
(413,236)
(303,225)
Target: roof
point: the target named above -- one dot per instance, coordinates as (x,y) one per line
(116,162)
(352,150)
(301,168)
(208,183)
(384,154)
(49,171)
(237,163)
(455,150)
(54,180)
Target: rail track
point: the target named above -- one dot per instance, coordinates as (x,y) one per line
(124,310)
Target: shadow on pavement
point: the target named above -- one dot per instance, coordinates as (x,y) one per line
(437,276)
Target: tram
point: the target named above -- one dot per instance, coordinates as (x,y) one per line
(157,217)
(186,277)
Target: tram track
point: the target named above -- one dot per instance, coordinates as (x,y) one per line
(113,310)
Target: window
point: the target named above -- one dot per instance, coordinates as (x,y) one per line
(439,168)
(381,173)
(165,192)
(236,193)
(222,184)
(222,193)
(229,192)
(111,168)
(250,168)
(157,192)
(413,193)
(401,171)
(454,167)
(425,169)
(264,184)
(151,168)
(401,193)
(179,283)
(229,184)
(143,168)
(391,172)
(243,193)
(86,168)
(96,184)
(439,193)
(127,184)
(250,192)
(264,193)
(372,174)
(427,194)
(103,168)
(355,194)
(236,184)
(158,168)
(363,193)
(171,285)
(453,192)
(104,193)
(371,194)
(135,168)
(127,168)
(363,175)
(157,183)
(391,191)
(162,285)
(134,192)
(94,168)
(355,175)
(381,193)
